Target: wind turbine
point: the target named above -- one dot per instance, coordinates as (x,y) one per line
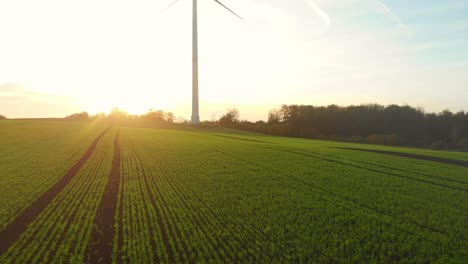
(195,107)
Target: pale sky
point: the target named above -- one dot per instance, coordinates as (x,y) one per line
(58,57)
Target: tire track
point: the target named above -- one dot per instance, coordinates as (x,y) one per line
(101,245)
(14,230)
(120,234)
(400,169)
(343,197)
(40,253)
(413,156)
(315,156)
(75,215)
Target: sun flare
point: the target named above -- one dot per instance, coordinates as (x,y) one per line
(131,104)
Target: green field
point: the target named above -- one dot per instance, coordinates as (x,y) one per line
(225,196)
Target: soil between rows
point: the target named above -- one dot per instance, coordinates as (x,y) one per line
(102,237)
(14,230)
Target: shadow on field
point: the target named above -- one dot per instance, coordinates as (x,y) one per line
(412,156)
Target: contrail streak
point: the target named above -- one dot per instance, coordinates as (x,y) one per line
(390,14)
(320,12)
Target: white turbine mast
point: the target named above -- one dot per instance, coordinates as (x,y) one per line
(195,106)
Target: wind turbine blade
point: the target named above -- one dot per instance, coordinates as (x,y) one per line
(228,9)
(164,10)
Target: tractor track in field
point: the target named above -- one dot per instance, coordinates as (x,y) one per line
(121,215)
(14,229)
(323,158)
(400,170)
(101,244)
(200,135)
(412,156)
(351,200)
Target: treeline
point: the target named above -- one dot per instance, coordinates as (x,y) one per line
(373,123)
(2,117)
(118,116)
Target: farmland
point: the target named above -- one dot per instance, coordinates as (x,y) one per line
(86,193)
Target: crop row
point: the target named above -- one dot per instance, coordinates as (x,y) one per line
(60,234)
(249,201)
(432,214)
(188,228)
(410,189)
(196,197)
(33,156)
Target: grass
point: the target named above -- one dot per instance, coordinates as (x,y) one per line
(231,196)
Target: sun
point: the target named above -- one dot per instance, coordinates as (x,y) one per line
(131,104)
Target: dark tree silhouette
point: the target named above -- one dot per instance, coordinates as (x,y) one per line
(169,117)
(78,116)
(231,117)
(275,117)
(154,116)
(371,123)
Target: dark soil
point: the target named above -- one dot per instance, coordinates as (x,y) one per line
(102,237)
(14,230)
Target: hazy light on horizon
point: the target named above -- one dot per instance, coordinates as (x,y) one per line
(69,56)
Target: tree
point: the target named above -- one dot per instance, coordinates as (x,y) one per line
(231,117)
(274,116)
(155,116)
(182,120)
(99,116)
(117,114)
(2,117)
(169,117)
(78,116)
(372,123)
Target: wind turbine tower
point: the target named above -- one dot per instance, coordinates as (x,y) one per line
(195,106)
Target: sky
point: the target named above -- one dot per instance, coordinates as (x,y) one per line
(58,57)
